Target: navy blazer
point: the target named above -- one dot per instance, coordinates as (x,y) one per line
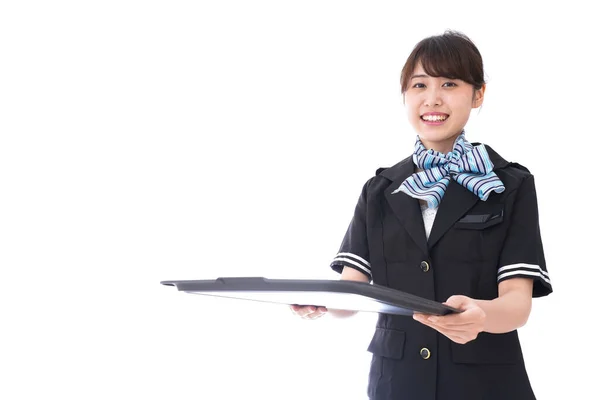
(473,245)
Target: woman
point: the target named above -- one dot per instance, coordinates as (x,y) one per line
(456,223)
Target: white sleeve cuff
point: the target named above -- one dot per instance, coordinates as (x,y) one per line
(523,270)
(353,260)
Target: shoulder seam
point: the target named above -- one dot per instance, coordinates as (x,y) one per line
(380,170)
(518,166)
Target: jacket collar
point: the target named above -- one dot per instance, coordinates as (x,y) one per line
(456,201)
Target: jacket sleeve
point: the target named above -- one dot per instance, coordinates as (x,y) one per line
(522,254)
(354,251)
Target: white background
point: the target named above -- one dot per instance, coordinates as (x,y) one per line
(164,140)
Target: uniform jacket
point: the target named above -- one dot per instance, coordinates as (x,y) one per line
(473,245)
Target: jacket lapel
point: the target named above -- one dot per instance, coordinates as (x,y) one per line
(406,208)
(456,202)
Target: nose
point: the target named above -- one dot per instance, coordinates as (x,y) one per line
(432,97)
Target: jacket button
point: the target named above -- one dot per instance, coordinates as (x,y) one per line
(424,266)
(425,353)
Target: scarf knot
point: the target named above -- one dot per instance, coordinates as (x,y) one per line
(468,165)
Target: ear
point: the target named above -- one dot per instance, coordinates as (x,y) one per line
(478,97)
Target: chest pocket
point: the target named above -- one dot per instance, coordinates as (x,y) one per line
(481,220)
(477,235)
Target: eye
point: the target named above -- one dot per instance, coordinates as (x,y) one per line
(450,84)
(419,85)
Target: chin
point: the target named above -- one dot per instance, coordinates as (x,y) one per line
(436,137)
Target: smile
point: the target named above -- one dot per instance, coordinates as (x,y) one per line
(434,118)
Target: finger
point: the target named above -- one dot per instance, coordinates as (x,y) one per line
(299,307)
(429,317)
(305,310)
(316,309)
(458,301)
(454,335)
(458,326)
(470,316)
(461,330)
(424,321)
(451,321)
(320,311)
(458,338)
(313,315)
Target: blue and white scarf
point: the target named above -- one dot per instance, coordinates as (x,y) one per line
(468,165)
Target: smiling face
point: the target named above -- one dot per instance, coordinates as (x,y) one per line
(438,108)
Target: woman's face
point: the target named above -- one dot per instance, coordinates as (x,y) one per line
(439,108)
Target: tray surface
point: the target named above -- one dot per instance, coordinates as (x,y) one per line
(335,294)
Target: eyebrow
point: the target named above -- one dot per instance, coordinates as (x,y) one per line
(419,76)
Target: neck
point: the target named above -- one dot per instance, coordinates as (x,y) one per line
(444,146)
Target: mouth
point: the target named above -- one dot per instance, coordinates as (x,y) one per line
(434,119)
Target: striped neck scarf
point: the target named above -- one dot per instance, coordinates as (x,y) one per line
(468,165)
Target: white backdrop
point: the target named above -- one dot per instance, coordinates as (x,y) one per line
(165,140)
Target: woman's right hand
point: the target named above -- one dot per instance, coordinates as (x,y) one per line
(308,312)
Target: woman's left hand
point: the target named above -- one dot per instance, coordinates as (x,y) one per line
(460,328)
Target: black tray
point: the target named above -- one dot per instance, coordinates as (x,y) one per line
(335,294)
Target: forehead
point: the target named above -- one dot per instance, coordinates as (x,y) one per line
(419,70)
(420,73)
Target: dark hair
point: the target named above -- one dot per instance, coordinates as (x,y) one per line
(452,55)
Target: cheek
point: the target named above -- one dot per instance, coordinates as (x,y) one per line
(412,109)
(414,120)
(412,115)
(461,110)
(461,117)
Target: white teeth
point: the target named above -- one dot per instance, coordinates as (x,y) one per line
(434,117)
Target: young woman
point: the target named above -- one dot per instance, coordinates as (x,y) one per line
(454,222)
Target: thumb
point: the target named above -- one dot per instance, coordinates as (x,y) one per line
(458,301)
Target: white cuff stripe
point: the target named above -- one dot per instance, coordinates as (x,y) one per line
(526,266)
(359,258)
(362,267)
(524,272)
